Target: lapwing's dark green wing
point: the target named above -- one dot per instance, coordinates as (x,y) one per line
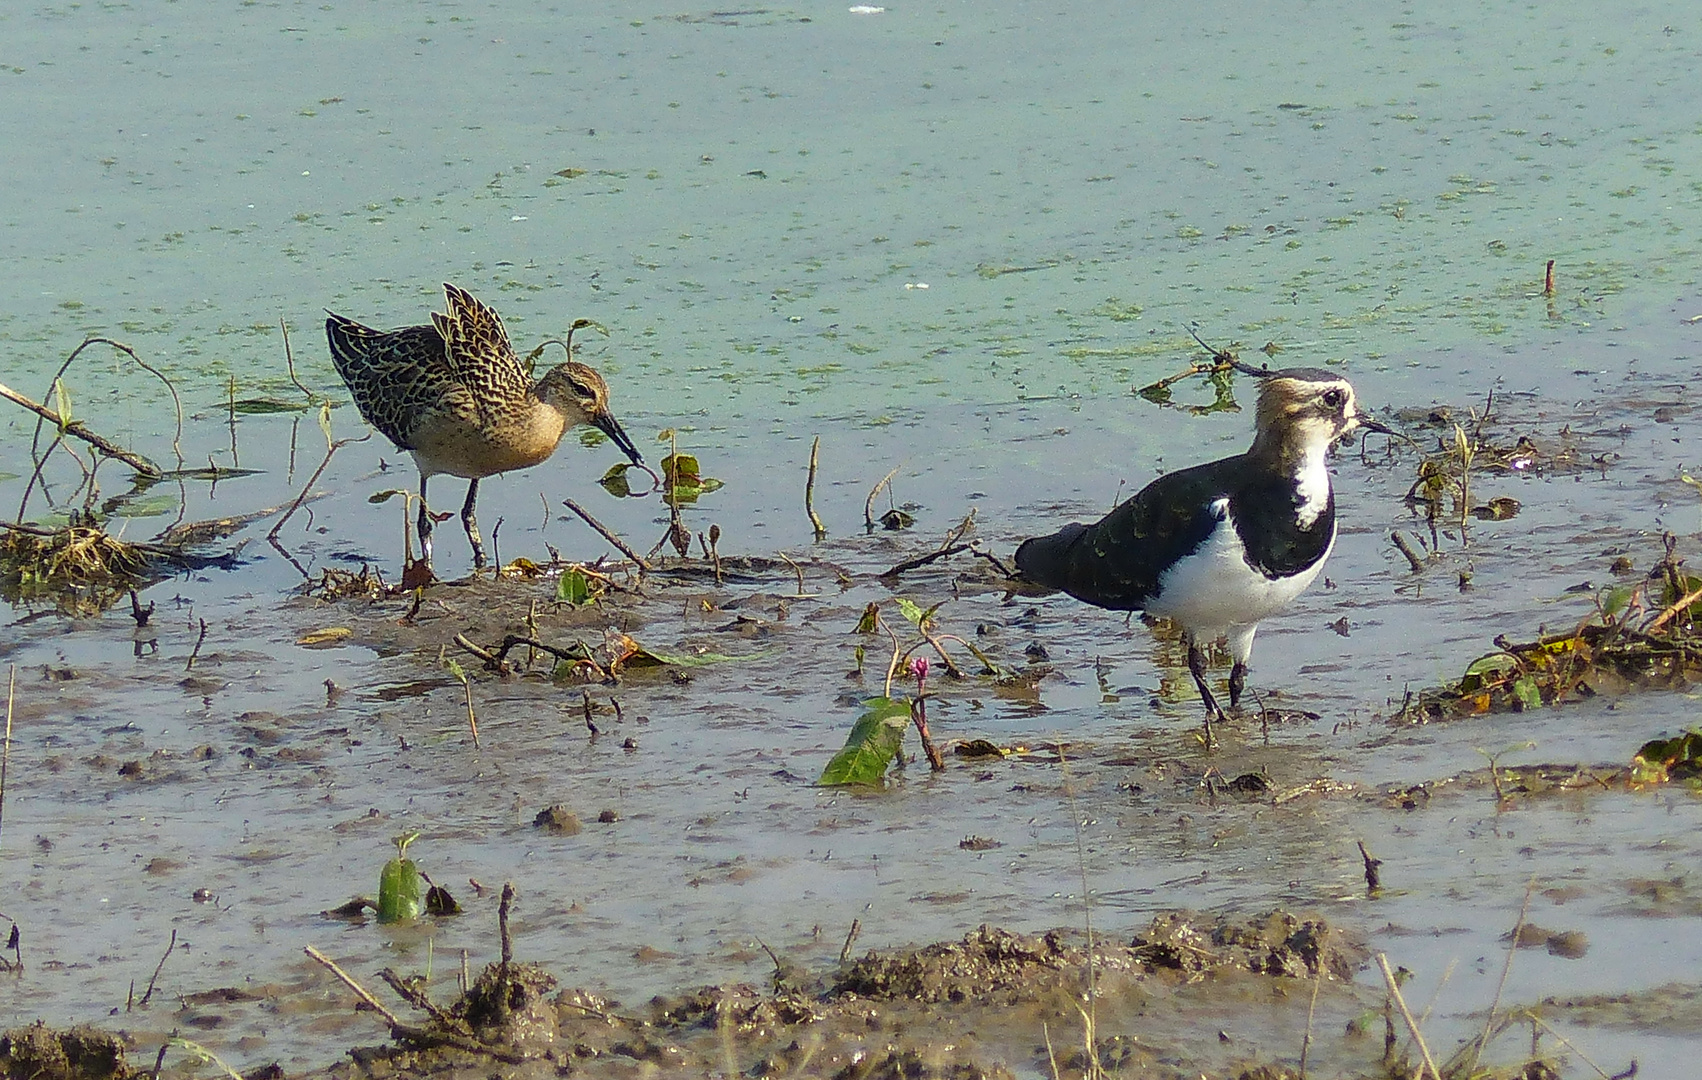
(1117,561)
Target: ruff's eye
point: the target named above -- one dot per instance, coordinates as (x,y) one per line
(1334,398)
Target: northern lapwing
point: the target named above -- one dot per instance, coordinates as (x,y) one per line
(455,396)
(1217,548)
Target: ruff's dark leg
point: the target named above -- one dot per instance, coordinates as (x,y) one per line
(1197,668)
(1237,683)
(424,526)
(471,524)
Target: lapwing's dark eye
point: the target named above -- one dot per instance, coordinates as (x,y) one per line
(1334,398)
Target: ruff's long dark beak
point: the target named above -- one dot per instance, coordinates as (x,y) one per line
(604,421)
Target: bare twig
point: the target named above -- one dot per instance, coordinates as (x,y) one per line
(810,491)
(869,503)
(924,560)
(289,362)
(1672,610)
(307,487)
(196,651)
(1373,879)
(620,545)
(360,991)
(796,569)
(1311,1009)
(77,429)
(502,909)
(998,564)
(6,753)
(418,998)
(850,936)
(1412,1025)
(149,993)
(1506,970)
(1404,546)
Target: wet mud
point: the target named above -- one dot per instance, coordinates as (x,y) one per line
(644,771)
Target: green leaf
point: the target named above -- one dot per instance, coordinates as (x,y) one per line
(573,588)
(614,481)
(62,399)
(401,891)
(648,657)
(1484,670)
(455,669)
(911,610)
(870,620)
(871,746)
(325,421)
(1527,692)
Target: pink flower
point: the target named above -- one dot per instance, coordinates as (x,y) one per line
(919,668)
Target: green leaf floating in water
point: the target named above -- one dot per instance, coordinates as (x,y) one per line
(262,406)
(401,890)
(871,746)
(614,481)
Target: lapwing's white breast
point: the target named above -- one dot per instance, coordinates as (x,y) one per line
(1214,588)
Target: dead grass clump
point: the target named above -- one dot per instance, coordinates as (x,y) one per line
(1643,636)
(79,567)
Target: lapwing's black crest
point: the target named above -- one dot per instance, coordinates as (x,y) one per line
(1220,546)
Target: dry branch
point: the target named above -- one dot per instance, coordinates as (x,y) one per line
(76,429)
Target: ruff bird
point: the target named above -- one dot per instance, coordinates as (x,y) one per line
(456,397)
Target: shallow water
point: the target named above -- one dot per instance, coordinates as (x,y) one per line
(764,196)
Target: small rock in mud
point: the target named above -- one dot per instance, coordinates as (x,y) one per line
(557,819)
(78,1053)
(608,817)
(1566,944)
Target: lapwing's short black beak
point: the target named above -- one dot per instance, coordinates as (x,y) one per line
(605,422)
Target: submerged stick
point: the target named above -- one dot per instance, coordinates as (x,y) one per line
(810,491)
(620,545)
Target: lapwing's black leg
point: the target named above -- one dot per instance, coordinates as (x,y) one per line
(1197,668)
(471,524)
(1237,683)
(425,526)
